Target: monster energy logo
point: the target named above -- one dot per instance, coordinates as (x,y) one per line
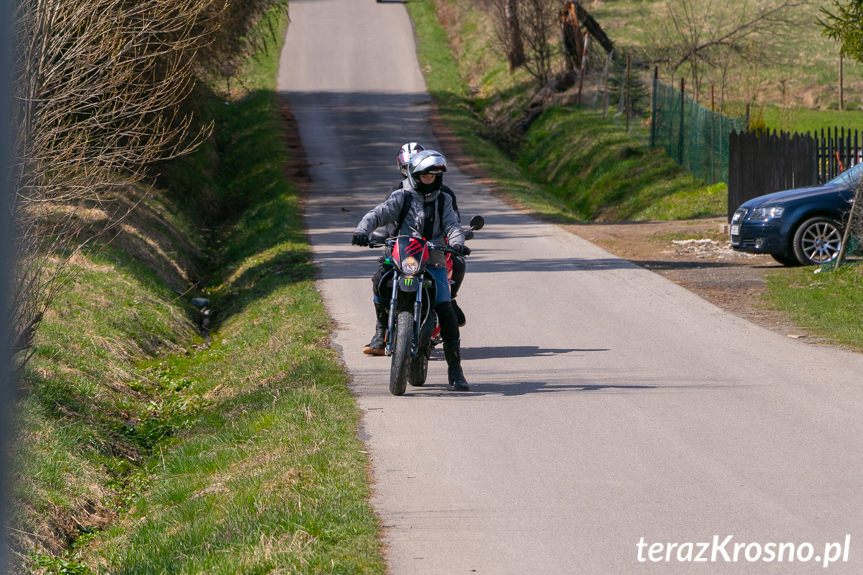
(409,281)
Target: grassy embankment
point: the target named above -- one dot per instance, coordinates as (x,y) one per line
(573,165)
(141,448)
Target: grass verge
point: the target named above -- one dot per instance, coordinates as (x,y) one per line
(145,448)
(828,303)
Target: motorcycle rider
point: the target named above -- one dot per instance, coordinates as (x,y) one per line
(419,208)
(406,152)
(378,341)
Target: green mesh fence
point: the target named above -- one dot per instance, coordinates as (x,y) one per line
(697,138)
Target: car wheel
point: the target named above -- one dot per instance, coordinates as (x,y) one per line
(817,241)
(785,260)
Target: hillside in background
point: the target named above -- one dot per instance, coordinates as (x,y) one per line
(786,62)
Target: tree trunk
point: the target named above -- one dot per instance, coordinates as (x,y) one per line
(513,31)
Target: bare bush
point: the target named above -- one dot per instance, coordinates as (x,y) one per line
(528,32)
(232,41)
(99,87)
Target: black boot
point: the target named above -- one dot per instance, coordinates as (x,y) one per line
(452,353)
(378,342)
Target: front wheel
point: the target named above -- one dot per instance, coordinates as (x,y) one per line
(419,367)
(401,353)
(817,241)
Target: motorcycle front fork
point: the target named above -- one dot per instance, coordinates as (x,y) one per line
(393,319)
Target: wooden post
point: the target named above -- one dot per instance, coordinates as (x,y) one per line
(846,234)
(605,73)
(581,72)
(628,88)
(712,136)
(841,83)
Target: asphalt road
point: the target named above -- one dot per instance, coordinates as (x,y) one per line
(617,423)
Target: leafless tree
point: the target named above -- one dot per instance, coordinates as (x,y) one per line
(539,21)
(100,84)
(508,26)
(528,32)
(707,35)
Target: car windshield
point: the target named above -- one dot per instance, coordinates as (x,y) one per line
(850,178)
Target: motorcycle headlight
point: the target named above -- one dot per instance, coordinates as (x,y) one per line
(410,265)
(767,213)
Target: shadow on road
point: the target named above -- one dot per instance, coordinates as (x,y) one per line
(516,351)
(436,389)
(529,387)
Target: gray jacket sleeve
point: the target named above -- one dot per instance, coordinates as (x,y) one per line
(382,214)
(451,226)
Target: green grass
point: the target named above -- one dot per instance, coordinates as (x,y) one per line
(803,120)
(144,447)
(827,303)
(606,175)
(272,476)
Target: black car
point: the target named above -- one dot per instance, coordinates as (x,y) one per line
(797,227)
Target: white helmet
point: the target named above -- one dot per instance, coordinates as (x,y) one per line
(405,154)
(426,162)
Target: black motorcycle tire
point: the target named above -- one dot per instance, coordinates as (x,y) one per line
(419,367)
(401,353)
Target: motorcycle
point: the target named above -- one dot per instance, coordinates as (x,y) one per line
(411,317)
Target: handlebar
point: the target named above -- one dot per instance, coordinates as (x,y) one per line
(431,245)
(476,223)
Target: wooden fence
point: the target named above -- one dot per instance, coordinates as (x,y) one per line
(836,149)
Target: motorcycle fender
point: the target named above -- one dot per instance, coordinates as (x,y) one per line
(409,283)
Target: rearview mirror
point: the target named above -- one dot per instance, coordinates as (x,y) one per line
(477,222)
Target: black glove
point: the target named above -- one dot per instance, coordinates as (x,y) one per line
(460,249)
(360,240)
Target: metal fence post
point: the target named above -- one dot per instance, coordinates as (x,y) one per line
(680,133)
(653,109)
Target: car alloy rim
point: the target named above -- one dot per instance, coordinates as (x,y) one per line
(821,242)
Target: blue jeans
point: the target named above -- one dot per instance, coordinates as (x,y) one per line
(442,284)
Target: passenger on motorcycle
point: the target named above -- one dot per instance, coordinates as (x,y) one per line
(377,344)
(419,208)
